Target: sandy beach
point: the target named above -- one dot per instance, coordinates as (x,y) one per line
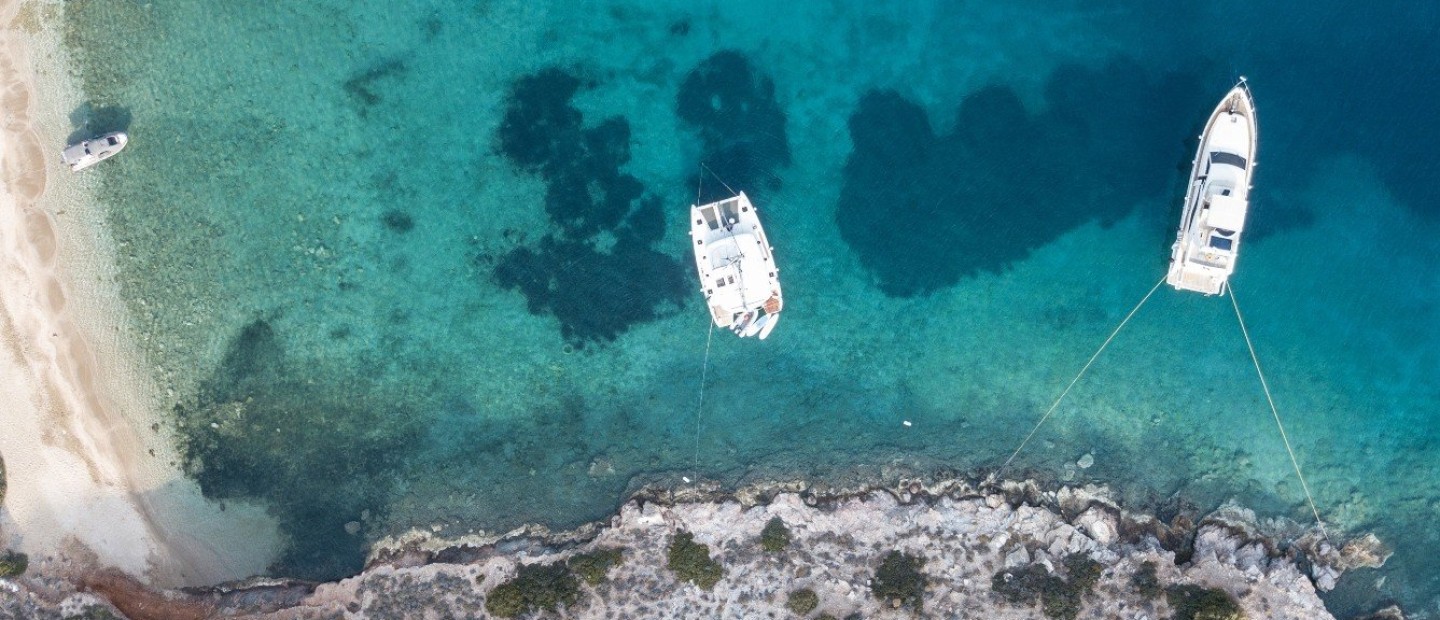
(90,470)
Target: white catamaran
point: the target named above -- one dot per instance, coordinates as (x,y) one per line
(1217,198)
(737,269)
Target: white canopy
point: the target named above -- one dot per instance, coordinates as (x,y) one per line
(1227,212)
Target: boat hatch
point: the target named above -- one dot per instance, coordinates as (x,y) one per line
(1227,212)
(708,213)
(112,140)
(730,211)
(1221,157)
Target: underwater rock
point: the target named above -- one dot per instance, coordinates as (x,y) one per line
(397,221)
(599,467)
(1086,461)
(596,271)
(1365,552)
(340,452)
(1329,562)
(364,86)
(731,106)
(1006,180)
(1392,612)
(596,295)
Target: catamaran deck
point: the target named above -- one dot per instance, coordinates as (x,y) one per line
(736,267)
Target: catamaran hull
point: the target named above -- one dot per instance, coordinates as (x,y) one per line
(736,266)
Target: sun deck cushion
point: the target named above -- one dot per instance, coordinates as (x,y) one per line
(729,250)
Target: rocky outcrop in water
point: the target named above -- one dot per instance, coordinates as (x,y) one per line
(946,551)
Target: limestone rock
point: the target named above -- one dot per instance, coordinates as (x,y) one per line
(1364,552)
(836,545)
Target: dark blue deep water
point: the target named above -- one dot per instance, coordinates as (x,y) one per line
(425,263)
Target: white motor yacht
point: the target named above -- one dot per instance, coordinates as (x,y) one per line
(737,268)
(86,153)
(1217,198)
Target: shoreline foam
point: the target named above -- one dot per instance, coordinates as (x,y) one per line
(88,481)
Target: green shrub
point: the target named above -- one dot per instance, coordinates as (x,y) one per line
(1145,581)
(1192,602)
(803,601)
(1059,598)
(775,537)
(691,561)
(13,564)
(534,587)
(899,579)
(593,566)
(1083,572)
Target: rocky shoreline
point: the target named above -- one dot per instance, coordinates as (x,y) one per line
(935,550)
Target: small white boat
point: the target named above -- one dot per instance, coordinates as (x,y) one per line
(86,153)
(737,268)
(1218,196)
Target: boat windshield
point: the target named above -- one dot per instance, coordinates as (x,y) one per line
(1221,157)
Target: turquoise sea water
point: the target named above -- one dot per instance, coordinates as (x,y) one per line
(424,264)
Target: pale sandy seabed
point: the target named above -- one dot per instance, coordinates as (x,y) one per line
(88,481)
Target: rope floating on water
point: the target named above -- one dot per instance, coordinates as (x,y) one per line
(1056,404)
(1265,385)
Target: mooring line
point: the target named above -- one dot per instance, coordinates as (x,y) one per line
(1056,404)
(700,407)
(705,365)
(717,178)
(1265,385)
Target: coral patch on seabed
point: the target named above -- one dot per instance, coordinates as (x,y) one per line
(259,429)
(731,107)
(597,272)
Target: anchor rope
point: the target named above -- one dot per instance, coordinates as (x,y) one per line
(704,365)
(700,406)
(1056,404)
(1265,385)
(717,178)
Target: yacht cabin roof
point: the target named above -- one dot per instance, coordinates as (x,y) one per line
(1227,213)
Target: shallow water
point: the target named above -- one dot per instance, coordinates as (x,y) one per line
(425,264)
